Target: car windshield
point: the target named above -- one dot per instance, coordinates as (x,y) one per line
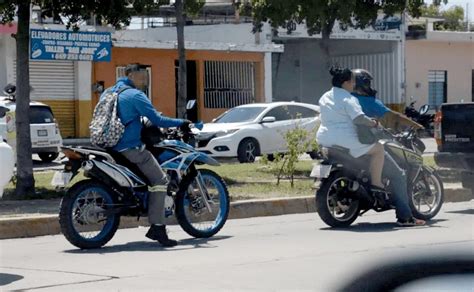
(40,115)
(240,114)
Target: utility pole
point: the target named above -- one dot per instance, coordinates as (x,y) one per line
(467,18)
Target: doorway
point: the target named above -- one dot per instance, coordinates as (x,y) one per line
(191,88)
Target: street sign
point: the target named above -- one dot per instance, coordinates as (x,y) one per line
(70,45)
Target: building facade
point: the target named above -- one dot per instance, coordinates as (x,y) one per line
(440,68)
(227,66)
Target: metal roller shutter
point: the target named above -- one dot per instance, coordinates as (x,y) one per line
(54,84)
(384,69)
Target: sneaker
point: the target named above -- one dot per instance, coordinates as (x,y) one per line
(158,233)
(411,222)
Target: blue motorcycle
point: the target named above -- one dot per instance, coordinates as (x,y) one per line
(91,209)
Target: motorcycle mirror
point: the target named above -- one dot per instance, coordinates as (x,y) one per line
(191,104)
(424,109)
(3,111)
(9,89)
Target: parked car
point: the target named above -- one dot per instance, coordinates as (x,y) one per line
(46,139)
(455,139)
(251,130)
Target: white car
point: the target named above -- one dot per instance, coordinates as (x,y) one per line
(46,139)
(251,130)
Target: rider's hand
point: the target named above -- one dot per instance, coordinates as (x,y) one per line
(185,126)
(376,123)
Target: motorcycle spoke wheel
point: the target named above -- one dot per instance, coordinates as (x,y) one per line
(341,207)
(427,196)
(203,214)
(87,214)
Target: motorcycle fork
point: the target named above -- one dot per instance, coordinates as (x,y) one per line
(203,191)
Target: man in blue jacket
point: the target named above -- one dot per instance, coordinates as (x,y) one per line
(374,108)
(132,105)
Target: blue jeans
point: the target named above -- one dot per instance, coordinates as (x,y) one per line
(398,187)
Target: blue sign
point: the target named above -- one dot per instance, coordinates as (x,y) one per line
(70,45)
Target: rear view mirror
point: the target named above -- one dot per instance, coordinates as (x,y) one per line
(191,104)
(424,109)
(3,111)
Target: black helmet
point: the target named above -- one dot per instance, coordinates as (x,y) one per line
(363,82)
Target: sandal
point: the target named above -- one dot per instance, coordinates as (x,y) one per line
(411,222)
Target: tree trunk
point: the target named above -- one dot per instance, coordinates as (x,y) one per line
(325,43)
(182,94)
(25,181)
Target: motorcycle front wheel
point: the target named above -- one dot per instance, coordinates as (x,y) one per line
(82,217)
(427,195)
(335,203)
(202,213)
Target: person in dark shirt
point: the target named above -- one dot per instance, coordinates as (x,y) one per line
(374,108)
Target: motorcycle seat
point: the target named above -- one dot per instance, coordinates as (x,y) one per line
(338,154)
(123,161)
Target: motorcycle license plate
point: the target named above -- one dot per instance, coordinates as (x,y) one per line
(320,170)
(61,178)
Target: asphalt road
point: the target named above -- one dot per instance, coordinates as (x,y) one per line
(291,252)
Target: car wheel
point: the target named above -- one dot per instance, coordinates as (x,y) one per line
(48,156)
(314,155)
(248,150)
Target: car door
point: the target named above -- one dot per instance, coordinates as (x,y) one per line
(305,117)
(272,134)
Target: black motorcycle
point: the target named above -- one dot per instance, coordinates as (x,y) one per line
(421,117)
(344,192)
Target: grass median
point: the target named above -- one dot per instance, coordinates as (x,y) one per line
(244,181)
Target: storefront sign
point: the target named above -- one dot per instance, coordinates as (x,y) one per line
(70,45)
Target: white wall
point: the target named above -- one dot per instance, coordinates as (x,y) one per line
(221,33)
(457,58)
(7,57)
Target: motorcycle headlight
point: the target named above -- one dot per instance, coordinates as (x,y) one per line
(226,132)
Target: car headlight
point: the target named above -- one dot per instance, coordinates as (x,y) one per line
(226,132)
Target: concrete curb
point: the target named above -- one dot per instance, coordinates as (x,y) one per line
(38,225)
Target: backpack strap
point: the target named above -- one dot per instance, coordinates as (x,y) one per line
(123,89)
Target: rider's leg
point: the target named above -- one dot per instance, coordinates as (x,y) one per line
(157,193)
(399,189)
(376,164)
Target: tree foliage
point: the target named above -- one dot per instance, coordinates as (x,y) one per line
(116,13)
(320,16)
(452,17)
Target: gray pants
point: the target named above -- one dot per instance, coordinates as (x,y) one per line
(157,179)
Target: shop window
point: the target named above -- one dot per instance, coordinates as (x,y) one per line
(120,72)
(228,84)
(437,87)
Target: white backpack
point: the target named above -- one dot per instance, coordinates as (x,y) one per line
(106,128)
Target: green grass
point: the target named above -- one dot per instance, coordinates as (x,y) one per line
(245,181)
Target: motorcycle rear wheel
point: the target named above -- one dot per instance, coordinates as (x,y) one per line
(81,219)
(334,203)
